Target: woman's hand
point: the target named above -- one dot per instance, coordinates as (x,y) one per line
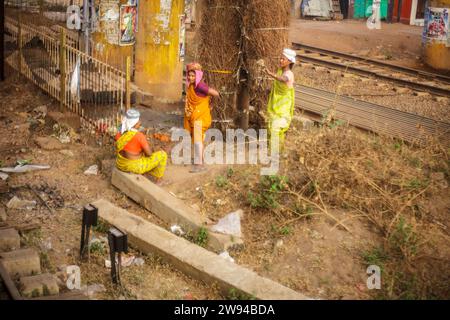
(213,92)
(270,74)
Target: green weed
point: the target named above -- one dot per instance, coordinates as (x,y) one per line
(202,237)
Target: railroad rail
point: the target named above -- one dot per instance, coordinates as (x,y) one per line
(371,117)
(432,83)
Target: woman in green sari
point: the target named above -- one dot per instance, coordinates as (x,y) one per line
(282,97)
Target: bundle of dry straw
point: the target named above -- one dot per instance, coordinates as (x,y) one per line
(233,36)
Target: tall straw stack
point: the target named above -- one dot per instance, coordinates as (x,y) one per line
(233,36)
(266,24)
(218,52)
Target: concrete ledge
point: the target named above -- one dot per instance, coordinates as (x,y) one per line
(191,259)
(39,285)
(169,208)
(9,240)
(22,262)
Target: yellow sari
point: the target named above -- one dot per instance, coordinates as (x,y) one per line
(197,115)
(155,164)
(280,108)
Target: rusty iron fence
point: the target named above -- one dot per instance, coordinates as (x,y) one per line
(49,60)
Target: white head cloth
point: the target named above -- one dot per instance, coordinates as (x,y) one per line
(290,54)
(130,120)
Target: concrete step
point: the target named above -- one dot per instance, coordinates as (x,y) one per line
(39,285)
(9,240)
(22,262)
(191,259)
(169,208)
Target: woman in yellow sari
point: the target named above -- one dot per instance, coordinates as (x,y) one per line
(133,150)
(282,97)
(197,115)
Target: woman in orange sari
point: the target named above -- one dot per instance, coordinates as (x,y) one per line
(197,115)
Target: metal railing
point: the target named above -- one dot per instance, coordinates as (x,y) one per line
(49,62)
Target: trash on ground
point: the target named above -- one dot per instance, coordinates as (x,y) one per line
(92,170)
(230,224)
(40,111)
(16,203)
(25,168)
(161,137)
(126,261)
(177,230)
(23,162)
(93,289)
(46,245)
(226,256)
(4,176)
(67,153)
(139,261)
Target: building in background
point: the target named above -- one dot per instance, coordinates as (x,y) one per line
(408,11)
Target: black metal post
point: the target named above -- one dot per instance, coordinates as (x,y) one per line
(112,255)
(2,40)
(118,243)
(399,10)
(243,100)
(390,11)
(90,218)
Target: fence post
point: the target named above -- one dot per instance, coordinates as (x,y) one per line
(19,45)
(62,68)
(41,7)
(127,84)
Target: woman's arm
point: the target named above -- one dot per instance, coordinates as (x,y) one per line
(144,144)
(281,78)
(213,92)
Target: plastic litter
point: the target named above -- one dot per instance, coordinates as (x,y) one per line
(92,170)
(4,176)
(374,20)
(177,230)
(226,256)
(230,224)
(126,261)
(75,80)
(25,168)
(16,203)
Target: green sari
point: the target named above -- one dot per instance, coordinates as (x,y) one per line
(280,108)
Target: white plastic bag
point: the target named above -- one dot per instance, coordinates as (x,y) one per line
(230,224)
(226,256)
(25,168)
(374,21)
(75,80)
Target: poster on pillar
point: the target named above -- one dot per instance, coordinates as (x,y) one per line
(436,25)
(182,49)
(127,25)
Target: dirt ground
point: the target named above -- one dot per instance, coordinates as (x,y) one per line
(307,252)
(396,43)
(73,190)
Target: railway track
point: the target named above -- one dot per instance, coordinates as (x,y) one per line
(418,80)
(371,117)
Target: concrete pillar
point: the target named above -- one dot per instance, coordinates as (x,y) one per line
(436,49)
(158,65)
(105,47)
(295,8)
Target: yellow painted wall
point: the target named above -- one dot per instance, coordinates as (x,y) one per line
(114,55)
(437,54)
(158,69)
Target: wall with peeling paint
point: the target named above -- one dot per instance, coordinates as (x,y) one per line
(104,47)
(158,65)
(436,35)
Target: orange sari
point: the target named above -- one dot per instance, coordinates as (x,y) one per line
(197,117)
